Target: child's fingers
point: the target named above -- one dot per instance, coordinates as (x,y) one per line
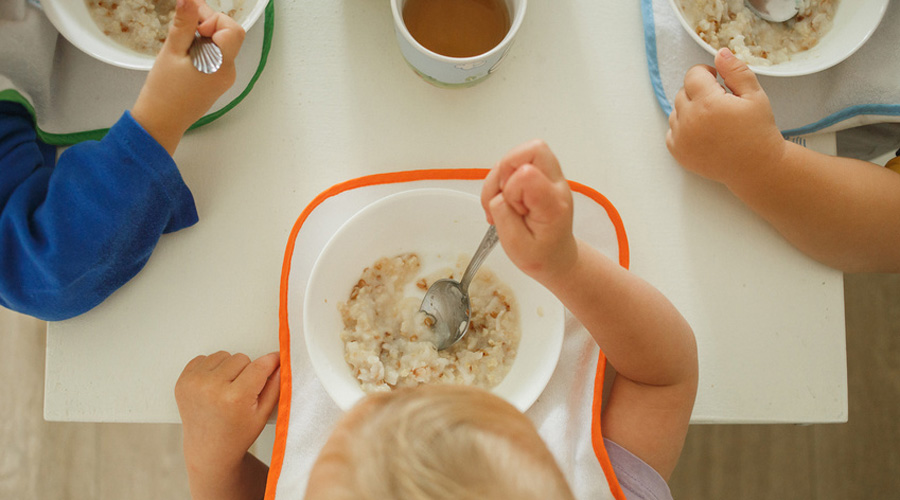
(536,153)
(510,225)
(207,25)
(230,41)
(489,189)
(192,373)
(681,99)
(253,378)
(194,364)
(225,31)
(212,361)
(268,397)
(212,21)
(670,141)
(233,366)
(206,11)
(681,102)
(530,192)
(700,81)
(737,75)
(514,190)
(181,33)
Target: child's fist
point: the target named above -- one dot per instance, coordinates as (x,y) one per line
(526,196)
(176,94)
(224,401)
(719,135)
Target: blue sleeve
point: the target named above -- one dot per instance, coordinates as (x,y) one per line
(72,234)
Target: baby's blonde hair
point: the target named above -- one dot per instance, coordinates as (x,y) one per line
(447,442)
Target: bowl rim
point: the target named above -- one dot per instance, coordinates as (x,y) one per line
(767,70)
(552,348)
(68,28)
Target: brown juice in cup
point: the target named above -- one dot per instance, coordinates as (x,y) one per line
(457,28)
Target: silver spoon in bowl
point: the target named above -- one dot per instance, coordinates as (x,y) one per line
(446,303)
(776,11)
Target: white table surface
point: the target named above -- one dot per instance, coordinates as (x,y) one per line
(337,101)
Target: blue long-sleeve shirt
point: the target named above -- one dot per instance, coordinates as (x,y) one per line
(73,233)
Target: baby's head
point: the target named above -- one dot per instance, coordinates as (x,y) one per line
(435,442)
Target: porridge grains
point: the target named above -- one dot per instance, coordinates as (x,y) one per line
(140,25)
(728,23)
(396,349)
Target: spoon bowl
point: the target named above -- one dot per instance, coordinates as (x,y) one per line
(776,11)
(446,303)
(446,306)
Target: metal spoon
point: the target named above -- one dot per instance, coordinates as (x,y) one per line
(776,11)
(447,301)
(205,54)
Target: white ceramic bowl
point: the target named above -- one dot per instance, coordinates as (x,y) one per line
(72,19)
(854,23)
(439,225)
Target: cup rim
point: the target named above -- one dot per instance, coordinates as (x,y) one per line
(513,29)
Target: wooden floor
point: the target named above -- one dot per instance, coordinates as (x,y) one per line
(858,460)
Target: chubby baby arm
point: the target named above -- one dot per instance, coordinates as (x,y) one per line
(644,337)
(224,401)
(839,211)
(176,94)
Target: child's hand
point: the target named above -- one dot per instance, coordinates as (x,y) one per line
(224,402)
(528,199)
(718,135)
(176,94)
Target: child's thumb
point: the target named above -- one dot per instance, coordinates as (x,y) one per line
(181,33)
(737,75)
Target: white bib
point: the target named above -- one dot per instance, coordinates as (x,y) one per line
(564,413)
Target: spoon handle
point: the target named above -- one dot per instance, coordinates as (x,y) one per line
(206,56)
(487,244)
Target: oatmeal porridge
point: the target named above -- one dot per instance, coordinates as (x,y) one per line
(387,343)
(728,23)
(141,25)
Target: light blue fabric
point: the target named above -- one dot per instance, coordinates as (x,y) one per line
(652,59)
(886,110)
(637,479)
(863,89)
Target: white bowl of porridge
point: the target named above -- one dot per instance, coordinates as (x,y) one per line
(825,32)
(361,323)
(128,33)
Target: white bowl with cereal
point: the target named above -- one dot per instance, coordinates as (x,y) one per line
(129,33)
(360,319)
(825,32)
